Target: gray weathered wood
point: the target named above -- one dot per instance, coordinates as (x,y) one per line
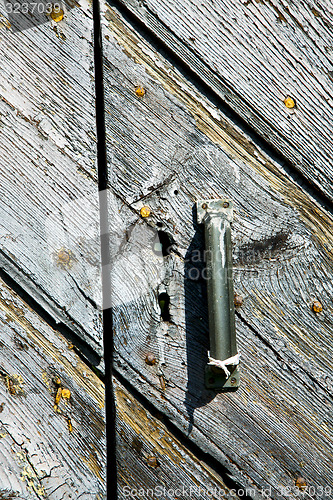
(152,463)
(167,149)
(42,457)
(254,54)
(49,218)
(47,450)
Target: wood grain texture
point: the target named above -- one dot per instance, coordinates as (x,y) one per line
(152,463)
(166,150)
(254,54)
(49,216)
(44,456)
(47,450)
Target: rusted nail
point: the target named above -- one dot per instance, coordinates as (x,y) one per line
(152,462)
(316,306)
(301,483)
(204,206)
(57,14)
(289,102)
(140,91)
(238,300)
(225,204)
(145,212)
(150,359)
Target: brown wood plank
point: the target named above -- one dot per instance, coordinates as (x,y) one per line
(49,215)
(167,149)
(255,54)
(48,449)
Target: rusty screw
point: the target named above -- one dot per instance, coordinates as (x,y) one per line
(301,483)
(225,204)
(204,206)
(152,462)
(317,306)
(238,300)
(150,359)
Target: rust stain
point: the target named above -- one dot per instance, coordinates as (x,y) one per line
(64,258)
(14,384)
(93,464)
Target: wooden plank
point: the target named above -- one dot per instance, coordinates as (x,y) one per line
(43,455)
(255,54)
(152,463)
(47,450)
(49,217)
(167,149)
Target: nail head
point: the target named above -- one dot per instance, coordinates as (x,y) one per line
(289,102)
(317,306)
(145,211)
(238,300)
(152,462)
(301,483)
(150,359)
(140,91)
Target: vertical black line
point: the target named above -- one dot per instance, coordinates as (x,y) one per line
(110,414)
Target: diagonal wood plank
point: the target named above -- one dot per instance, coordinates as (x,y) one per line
(49,216)
(166,149)
(48,448)
(58,452)
(153,463)
(254,55)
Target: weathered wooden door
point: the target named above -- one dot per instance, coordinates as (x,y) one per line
(114,120)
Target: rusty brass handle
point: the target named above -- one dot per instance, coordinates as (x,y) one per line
(222,371)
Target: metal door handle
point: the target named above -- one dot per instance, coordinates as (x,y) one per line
(222,371)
